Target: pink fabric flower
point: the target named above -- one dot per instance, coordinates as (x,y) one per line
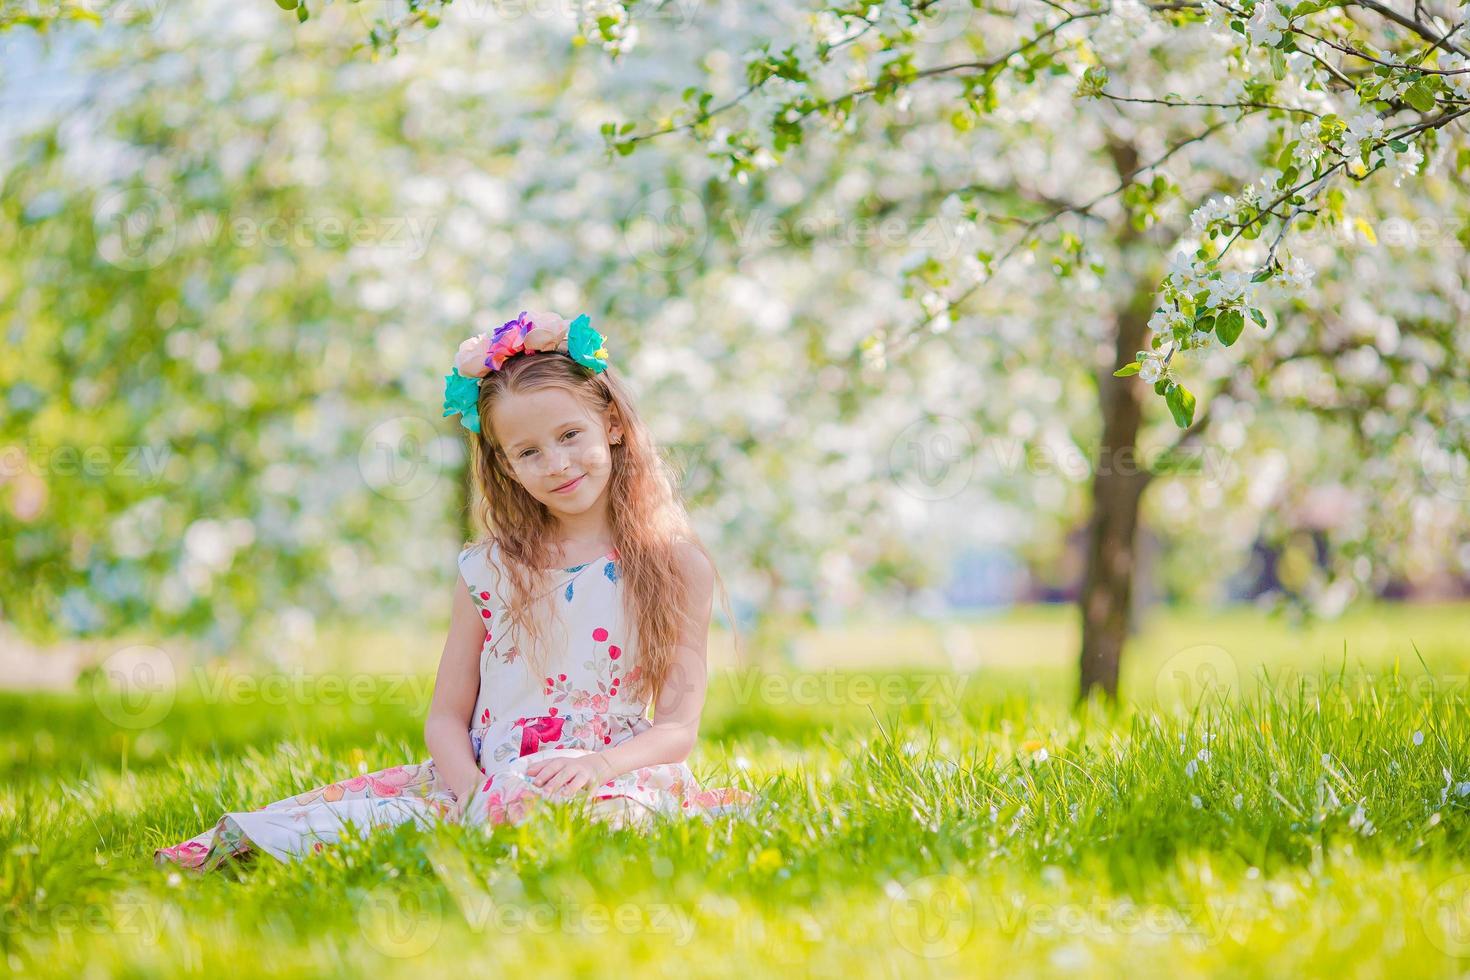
(509,339)
(507,807)
(389,782)
(548,331)
(539,730)
(471,359)
(527,333)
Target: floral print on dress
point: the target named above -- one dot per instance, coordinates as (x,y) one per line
(579,705)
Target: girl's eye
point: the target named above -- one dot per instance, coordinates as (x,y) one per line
(526,452)
(569,432)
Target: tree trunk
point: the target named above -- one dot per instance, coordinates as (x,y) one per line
(1118,483)
(1117,486)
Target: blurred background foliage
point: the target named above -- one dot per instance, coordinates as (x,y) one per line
(236,254)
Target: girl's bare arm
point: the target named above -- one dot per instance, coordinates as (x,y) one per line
(456,687)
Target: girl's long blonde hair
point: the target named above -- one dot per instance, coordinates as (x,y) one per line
(646,515)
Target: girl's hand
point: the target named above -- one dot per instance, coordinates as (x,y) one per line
(570,774)
(462,797)
(462,805)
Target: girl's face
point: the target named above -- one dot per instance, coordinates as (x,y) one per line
(556,447)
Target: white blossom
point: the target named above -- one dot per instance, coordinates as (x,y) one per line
(1310,148)
(1230,286)
(890,13)
(1215,207)
(828,27)
(1405,164)
(1152,369)
(1297,273)
(1393,89)
(1164,321)
(1266,23)
(1363,126)
(1126,26)
(1183,274)
(805,52)
(1457,63)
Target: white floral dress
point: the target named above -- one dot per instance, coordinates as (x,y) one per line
(582,704)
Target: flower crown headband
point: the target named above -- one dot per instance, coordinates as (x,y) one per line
(528,333)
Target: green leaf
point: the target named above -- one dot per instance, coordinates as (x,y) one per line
(1398,146)
(1127,370)
(1420,96)
(1259,317)
(1228,326)
(286,4)
(1283,159)
(1278,64)
(1181,405)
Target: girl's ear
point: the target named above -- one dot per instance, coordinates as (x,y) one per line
(614,426)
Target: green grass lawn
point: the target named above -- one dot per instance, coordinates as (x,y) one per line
(914,820)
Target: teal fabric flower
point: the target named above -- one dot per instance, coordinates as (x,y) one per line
(462,395)
(585,345)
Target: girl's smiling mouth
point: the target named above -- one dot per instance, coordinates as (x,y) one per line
(570,486)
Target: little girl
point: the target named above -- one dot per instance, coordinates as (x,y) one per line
(587,600)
